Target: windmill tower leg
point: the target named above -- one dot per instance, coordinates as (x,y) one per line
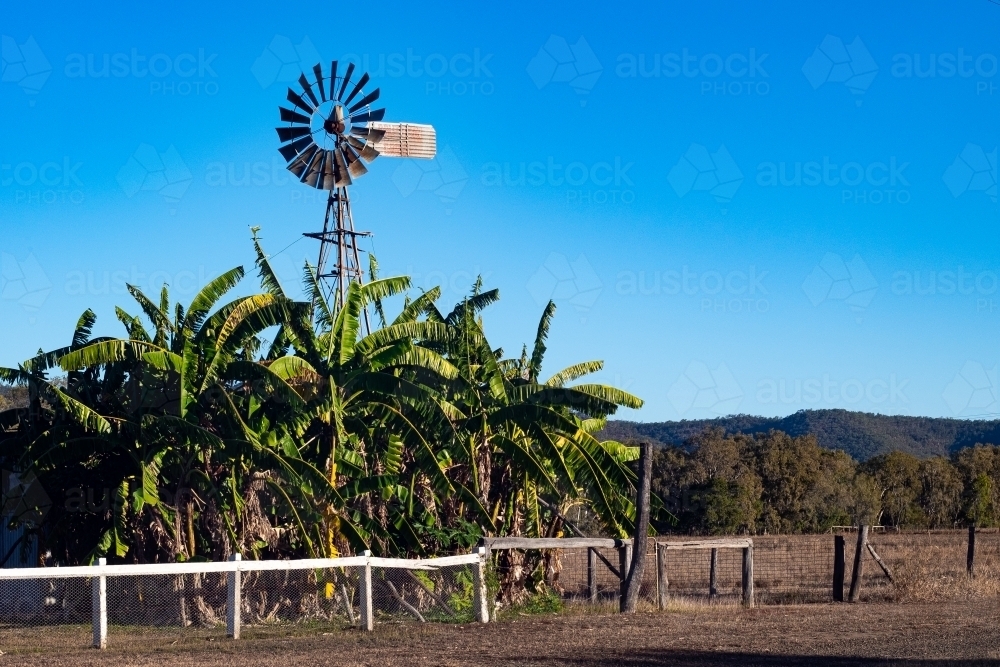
(339,256)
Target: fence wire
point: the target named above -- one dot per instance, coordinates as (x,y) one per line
(51,614)
(164,610)
(795,569)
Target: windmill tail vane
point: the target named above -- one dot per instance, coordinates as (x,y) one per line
(329,135)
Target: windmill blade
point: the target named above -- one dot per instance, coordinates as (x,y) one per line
(297,100)
(378,114)
(354,163)
(333,77)
(368,132)
(358,144)
(318,71)
(289,133)
(300,163)
(347,79)
(289,116)
(343,175)
(309,163)
(357,88)
(369,153)
(329,173)
(312,176)
(307,89)
(350,155)
(406,140)
(358,168)
(291,150)
(366,100)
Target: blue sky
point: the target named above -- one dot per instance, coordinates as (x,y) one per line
(738,210)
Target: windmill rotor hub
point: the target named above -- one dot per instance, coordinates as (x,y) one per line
(336,122)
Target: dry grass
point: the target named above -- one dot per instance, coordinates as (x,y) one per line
(932,566)
(952,634)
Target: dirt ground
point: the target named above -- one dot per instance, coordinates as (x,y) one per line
(939,635)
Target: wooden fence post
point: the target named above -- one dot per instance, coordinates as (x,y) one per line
(591,575)
(99,607)
(624,562)
(480,602)
(367,603)
(234,598)
(748,575)
(859,563)
(838,568)
(637,569)
(713,590)
(970,559)
(662,583)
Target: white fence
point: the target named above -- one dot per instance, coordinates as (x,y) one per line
(361,579)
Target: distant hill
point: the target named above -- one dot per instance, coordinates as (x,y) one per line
(860,434)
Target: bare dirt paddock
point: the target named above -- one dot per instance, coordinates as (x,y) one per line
(938,634)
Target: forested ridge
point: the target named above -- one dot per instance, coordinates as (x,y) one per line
(771,482)
(862,435)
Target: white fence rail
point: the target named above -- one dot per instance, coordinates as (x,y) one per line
(235,568)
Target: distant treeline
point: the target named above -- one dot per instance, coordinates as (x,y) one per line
(719,483)
(860,434)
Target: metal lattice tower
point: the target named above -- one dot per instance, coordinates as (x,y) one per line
(327,141)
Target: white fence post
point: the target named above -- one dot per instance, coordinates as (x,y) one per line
(367,606)
(234,602)
(479,596)
(99,607)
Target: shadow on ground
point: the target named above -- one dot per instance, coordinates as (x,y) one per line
(716,659)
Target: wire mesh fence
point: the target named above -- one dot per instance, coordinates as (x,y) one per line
(787,569)
(52,613)
(53,608)
(45,610)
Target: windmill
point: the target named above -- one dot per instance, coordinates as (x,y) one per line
(330,135)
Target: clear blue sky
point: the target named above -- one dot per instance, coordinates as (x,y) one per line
(738,209)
